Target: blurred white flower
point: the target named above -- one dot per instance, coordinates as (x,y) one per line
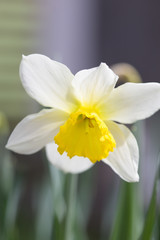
(78,129)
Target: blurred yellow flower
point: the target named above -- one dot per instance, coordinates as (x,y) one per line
(79,129)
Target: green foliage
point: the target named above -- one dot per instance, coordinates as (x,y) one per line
(128,217)
(63,206)
(153,212)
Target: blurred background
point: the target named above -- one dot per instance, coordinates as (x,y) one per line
(80,34)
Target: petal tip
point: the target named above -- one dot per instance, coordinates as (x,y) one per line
(136,178)
(7,146)
(23,57)
(103,64)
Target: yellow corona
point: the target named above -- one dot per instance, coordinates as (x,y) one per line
(85,134)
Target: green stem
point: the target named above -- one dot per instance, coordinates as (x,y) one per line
(71,207)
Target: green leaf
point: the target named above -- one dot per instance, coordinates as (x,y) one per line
(128,218)
(152,216)
(11,210)
(51,204)
(45,212)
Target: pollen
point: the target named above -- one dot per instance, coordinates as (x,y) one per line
(84,134)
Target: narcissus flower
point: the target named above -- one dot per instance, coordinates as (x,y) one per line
(78,127)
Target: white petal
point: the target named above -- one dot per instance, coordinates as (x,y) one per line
(66,164)
(95,84)
(47,81)
(35,131)
(131,102)
(124,160)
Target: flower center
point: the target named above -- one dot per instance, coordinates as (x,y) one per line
(84,134)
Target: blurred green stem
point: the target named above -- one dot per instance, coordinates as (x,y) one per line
(69,233)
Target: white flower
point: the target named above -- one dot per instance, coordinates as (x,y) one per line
(81,115)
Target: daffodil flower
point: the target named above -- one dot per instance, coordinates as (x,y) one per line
(79,126)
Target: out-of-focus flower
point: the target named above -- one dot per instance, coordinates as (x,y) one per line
(126,73)
(78,129)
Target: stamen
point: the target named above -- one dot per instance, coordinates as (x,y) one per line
(86,125)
